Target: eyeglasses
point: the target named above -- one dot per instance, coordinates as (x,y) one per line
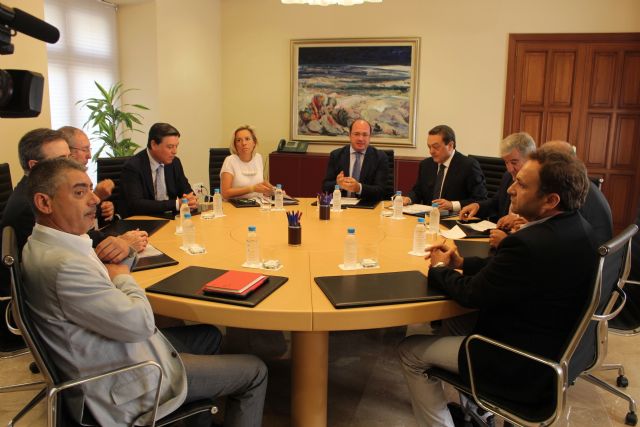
(83,149)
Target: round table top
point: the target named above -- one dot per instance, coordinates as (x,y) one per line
(299,304)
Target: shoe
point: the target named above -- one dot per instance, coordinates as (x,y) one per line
(457,414)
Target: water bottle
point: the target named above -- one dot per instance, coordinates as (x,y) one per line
(434,219)
(184,209)
(337,199)
(397,205)
(350,248)
(217,203)
(419,237)
(253,249)
(279,198)
(188,231)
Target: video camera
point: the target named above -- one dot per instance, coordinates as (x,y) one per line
(21,90)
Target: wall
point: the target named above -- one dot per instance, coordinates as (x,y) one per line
(30,54)
(173,54)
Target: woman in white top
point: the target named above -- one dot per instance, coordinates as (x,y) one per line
(242,173)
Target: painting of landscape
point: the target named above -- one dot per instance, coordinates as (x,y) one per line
(337,82)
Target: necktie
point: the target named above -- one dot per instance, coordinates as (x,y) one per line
(357,166)
(160,185)
(437,189)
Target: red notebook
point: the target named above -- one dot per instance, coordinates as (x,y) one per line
(235,283)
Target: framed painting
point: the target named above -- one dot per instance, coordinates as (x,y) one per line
(336,81)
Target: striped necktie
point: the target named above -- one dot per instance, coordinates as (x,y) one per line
(160,185)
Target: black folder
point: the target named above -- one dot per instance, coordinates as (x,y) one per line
(469,248)
(188,283)
(147,263)
(363,204)
(120,227)
(244,203)
(363,290)
(464,226)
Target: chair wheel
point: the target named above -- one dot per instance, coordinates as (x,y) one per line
(34,368)
(631,419)
(622,381)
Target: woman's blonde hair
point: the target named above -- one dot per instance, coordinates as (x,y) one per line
(232,147)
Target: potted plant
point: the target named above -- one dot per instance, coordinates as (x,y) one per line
(113,125)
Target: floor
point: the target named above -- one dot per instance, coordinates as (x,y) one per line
(366,387)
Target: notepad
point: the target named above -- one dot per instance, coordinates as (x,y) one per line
(235,283)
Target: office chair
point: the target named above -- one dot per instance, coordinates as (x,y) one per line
(6,186)
(493,168)
(216,159)
(597,180)
(111,168)
(613,267)
(390,188)
(56,410)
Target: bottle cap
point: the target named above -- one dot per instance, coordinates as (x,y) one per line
(337,187)
(421,220)
(187,215)
(351,230)
(217,190)
(184,200)
(252,228)
(434,205)
(398,193)
(279,186)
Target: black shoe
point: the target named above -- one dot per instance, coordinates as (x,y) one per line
(458,416)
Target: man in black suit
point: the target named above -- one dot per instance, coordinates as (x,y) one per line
(530,294)
(448,178)
(359,169)
(153,181)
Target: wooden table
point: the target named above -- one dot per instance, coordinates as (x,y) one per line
(299,305)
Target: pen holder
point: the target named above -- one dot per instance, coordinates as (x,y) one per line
(325,212)
(295,235)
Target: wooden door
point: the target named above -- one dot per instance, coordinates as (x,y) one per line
(585,89)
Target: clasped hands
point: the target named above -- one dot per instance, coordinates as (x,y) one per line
(443,204)
(444,254)
(113,250)
(348,183)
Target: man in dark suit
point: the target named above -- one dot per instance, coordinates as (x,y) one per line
(529,295)
(447,178)
(153,181)
(514,150)
(359,169)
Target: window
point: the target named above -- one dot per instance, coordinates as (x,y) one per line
(86,52)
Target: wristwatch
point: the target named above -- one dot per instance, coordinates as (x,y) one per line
(439,264)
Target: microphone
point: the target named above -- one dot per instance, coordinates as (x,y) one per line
(28,24)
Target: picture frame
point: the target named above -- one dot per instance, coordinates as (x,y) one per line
(336,81)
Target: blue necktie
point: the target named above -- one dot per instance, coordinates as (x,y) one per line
(160,185)
(437,189)
(357,166)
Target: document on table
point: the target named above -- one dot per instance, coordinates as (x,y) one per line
(149,251)
(349,201)
(416,209)
(454,233)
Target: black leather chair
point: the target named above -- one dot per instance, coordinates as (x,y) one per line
(216,159)
(111,168)
(597,180)
(391,177)
(613,269)
(6,187)
(56,409)
(493,169)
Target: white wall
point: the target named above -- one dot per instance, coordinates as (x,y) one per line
(30,54)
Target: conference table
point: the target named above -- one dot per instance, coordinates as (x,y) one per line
(299,305)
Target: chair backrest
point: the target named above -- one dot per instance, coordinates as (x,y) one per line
(391,177)
(587,352)
(493,169)
(6,187)
(216,159)
(111,168)
(597,180)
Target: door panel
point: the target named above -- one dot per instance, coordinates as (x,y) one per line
(562,79)
(602,79)
(631,80)
(596,140)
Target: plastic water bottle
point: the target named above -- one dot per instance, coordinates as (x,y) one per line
(188,231)
(337,199)
(217,203)
(278,198)
(397,205)
(434,219)
(184,209)
(253,248)
(419,237)
(350,248)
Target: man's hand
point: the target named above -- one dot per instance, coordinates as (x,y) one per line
(112,250)
(104,189)
(115,269)
(469,211)
(511,222)
(406,201)
(137,239)
(448,255)
(443,204)
(192,200)
(107,210)
(495,237)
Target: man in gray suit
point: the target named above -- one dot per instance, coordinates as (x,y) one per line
(94,317)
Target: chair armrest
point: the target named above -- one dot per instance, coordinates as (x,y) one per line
(53,391)
(614,313)
(7,320)
(488,406)
(631,282)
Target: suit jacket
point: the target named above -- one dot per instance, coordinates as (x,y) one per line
(138,189)
(497,206)
(373,173)
(464,181)
(530,295)
(91,324)
(597,212)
